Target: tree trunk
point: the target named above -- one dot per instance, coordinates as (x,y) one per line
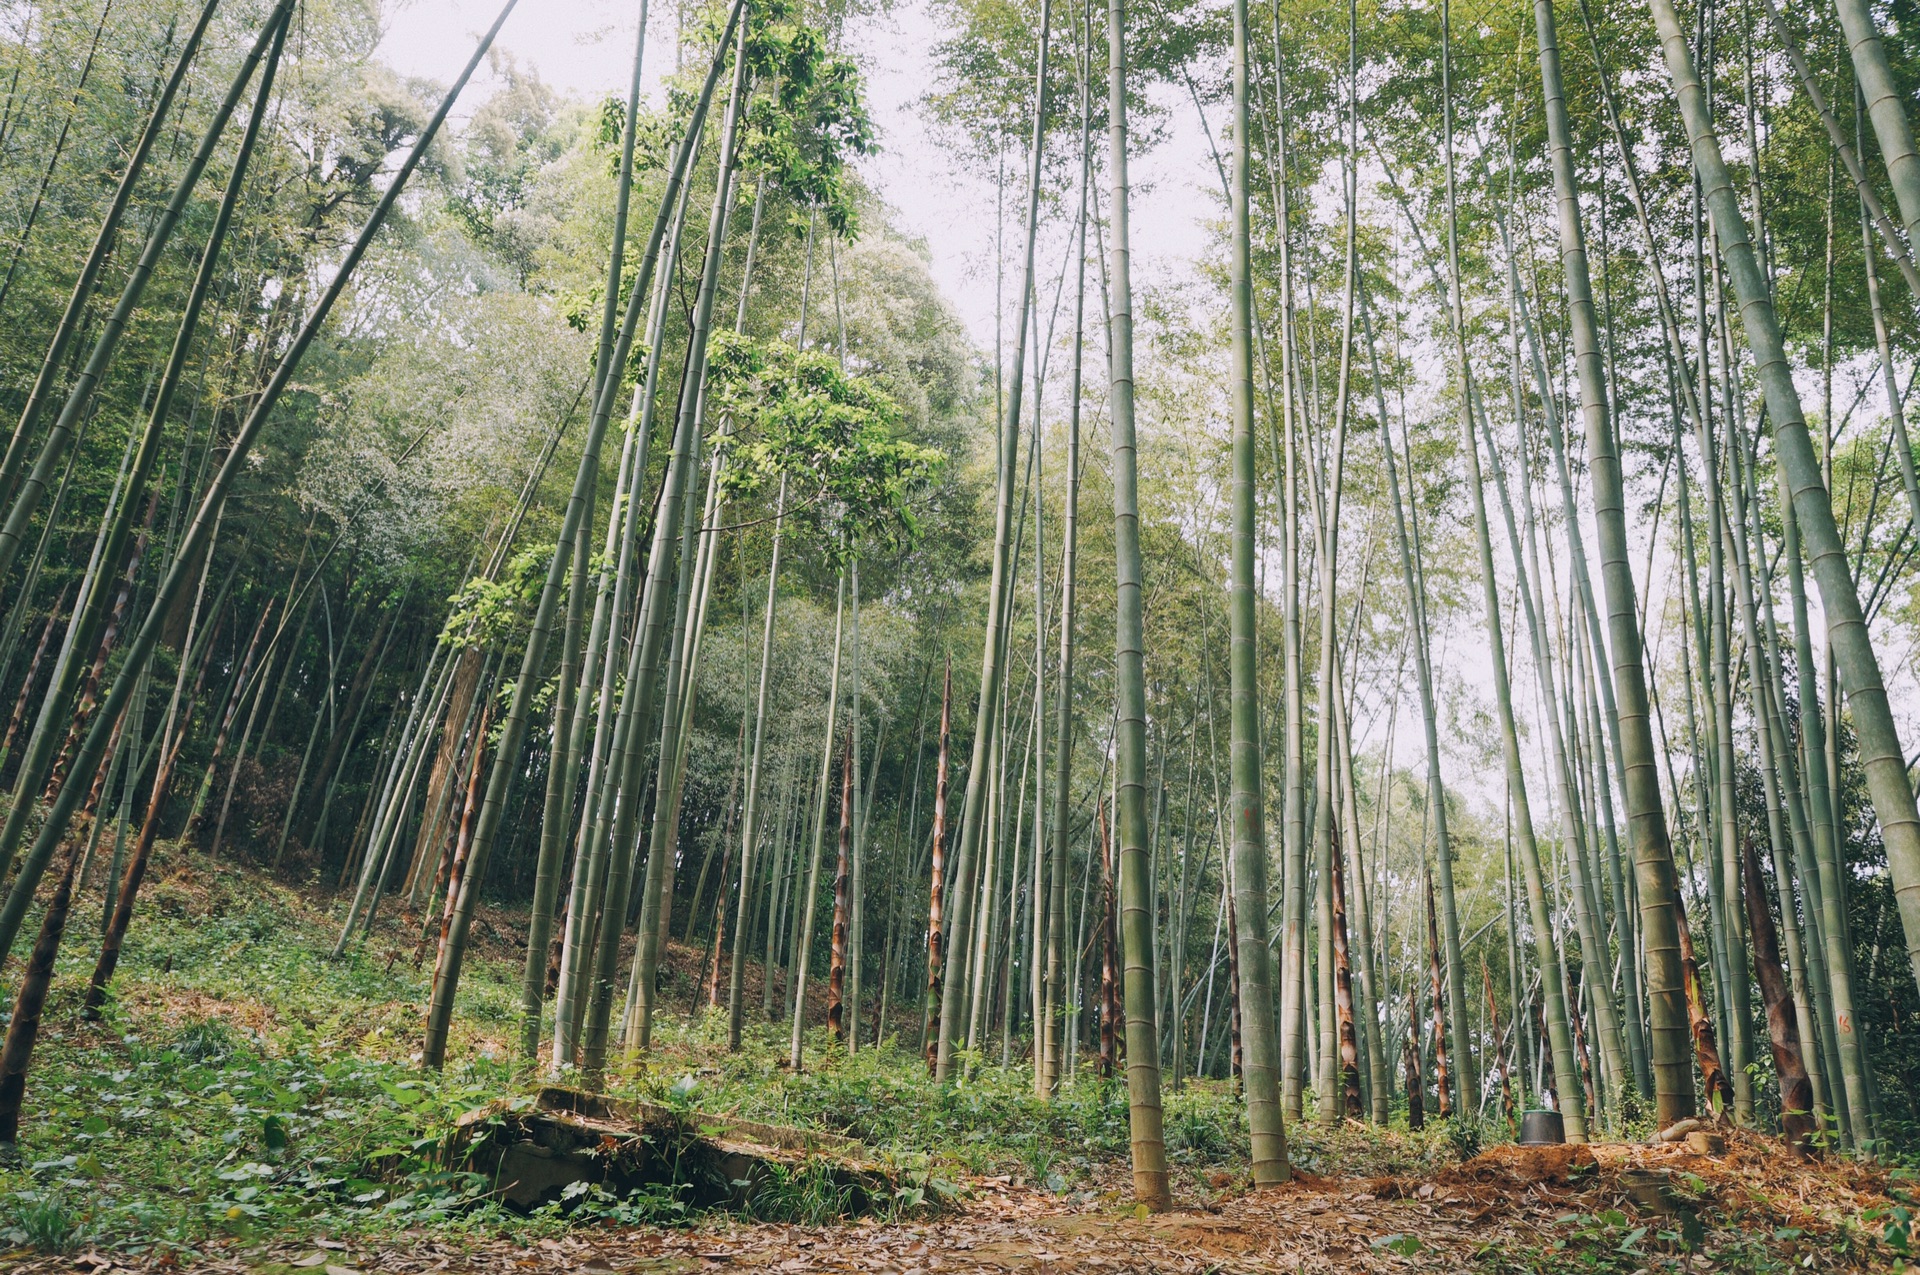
(750,819)
(1529,853)
(1706,1053)
(23,1029)
(1151,1187)
(936,938)
(804,952)
(1350,1105)
(1881,755)
(1109,988)
(1410,1062)
(1507,1106)
(1885,107)
(1444,1107)
(1654,872)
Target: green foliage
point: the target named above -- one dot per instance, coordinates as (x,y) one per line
(833,437)
(485,613)
(800,135)
(39,1219)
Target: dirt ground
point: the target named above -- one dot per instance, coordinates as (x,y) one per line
(1506,1209)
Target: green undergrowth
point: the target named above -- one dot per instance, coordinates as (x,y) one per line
(990,1122)
(244,1084)
(244,1087)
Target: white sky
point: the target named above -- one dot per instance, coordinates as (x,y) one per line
(585,47)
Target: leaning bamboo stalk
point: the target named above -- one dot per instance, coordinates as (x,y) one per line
(1886,107)
(1880,750)
(80,394)
(90,605)
(507,754)
(199,532)
(103,242)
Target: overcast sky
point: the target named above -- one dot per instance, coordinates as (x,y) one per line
(585,47)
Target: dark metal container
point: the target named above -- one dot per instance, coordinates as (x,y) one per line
(1541,1128)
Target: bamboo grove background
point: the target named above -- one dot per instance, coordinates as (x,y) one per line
(458,602)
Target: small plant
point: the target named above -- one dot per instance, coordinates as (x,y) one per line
(1895,1222)
(208,1041)
(808,1194)
(1400,1245)
(40,1220)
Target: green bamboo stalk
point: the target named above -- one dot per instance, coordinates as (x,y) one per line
(507,754)
(1562,772)
(645,655)
(83,285)
(1056,992)
(1654,874)
(1886,108)
(1151,1187)
(195,543)
(750,819)
(1566,1074)
(1851,1082)
(1262,1072)
(80,395)
(569,705)
(993,659)
(805,913)
(1413,578)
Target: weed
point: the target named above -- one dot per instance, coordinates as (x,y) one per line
(811,1193)
(40,1220)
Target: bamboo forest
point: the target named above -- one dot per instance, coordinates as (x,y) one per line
(959,635)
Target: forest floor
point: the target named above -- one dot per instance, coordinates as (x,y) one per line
(251,1106)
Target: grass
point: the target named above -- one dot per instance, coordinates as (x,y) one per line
(245,1087)
(243,1084)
